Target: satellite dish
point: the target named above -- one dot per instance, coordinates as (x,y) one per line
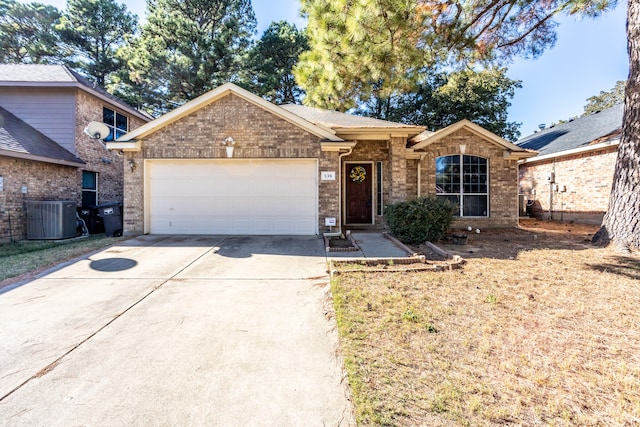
(97,130)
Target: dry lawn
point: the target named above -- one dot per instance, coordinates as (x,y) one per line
(25,259)
(550,337)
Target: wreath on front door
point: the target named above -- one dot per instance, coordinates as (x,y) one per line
(358,174)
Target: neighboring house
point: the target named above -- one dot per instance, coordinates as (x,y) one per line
(44,153)
(230,162)
(571,178)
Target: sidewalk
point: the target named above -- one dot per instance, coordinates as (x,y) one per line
(372,244)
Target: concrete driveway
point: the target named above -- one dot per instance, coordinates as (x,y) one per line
(184,330)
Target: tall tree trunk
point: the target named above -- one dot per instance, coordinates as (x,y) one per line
(621,224)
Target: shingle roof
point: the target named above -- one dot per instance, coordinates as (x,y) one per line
(21,140)
(55,75)
(212,96)
(35,73)
(577,133)
(337,120)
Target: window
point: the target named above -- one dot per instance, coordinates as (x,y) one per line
(118,123)
(89,188)
(379,206)
(464,180)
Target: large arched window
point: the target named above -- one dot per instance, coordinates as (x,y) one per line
(464,180)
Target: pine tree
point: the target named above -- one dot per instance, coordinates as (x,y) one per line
(605,99)
(271,63)
(93,30)
(379,48)
(186,48)
(28,33)
(443,99)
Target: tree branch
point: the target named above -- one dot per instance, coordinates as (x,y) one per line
(527,33)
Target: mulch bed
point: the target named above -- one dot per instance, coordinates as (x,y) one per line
(340,244)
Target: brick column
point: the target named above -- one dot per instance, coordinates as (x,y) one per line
(133,206)
(328,191)
(398,169)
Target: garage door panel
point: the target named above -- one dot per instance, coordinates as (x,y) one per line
(233,197)
(297,187)
(297,207)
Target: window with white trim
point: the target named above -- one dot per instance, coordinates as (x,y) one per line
(118,123)
(465,181)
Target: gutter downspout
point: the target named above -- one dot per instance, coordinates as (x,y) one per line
(339,232)
(552,182)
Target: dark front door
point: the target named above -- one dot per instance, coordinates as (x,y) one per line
(358,195)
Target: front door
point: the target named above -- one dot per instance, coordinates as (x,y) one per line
(358,193)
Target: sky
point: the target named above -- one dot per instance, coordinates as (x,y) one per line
(590,56)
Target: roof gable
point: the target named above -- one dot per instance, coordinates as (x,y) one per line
(219,93)
(18,139)
(424,140)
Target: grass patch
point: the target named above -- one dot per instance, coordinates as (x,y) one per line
(550,338)
(23,257)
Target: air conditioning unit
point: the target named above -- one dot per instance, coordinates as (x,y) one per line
(51,220)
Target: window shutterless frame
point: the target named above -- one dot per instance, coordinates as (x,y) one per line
(464,180)
(89,188)
(118,123)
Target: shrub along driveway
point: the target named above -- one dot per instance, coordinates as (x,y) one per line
(175,331)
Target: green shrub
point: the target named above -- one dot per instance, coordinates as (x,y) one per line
(419,220)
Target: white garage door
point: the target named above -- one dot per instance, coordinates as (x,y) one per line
(232,196)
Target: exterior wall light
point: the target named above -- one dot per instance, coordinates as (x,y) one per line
(229,143)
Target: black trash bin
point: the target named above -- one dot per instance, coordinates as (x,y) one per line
(92,219)
(111,214)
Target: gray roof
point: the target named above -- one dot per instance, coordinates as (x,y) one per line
(336,120)
(18,139)
(602,126)
(45,75)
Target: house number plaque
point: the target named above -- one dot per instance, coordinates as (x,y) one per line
(327,176)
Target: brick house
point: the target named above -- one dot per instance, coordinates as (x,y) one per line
(44,152)
(230,162)
(571,177)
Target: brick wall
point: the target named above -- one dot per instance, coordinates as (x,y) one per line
(398,169)
(257,133)
(412,178)
(108,164)
(328,190)
(43,181)
(503,178)
(583,186)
